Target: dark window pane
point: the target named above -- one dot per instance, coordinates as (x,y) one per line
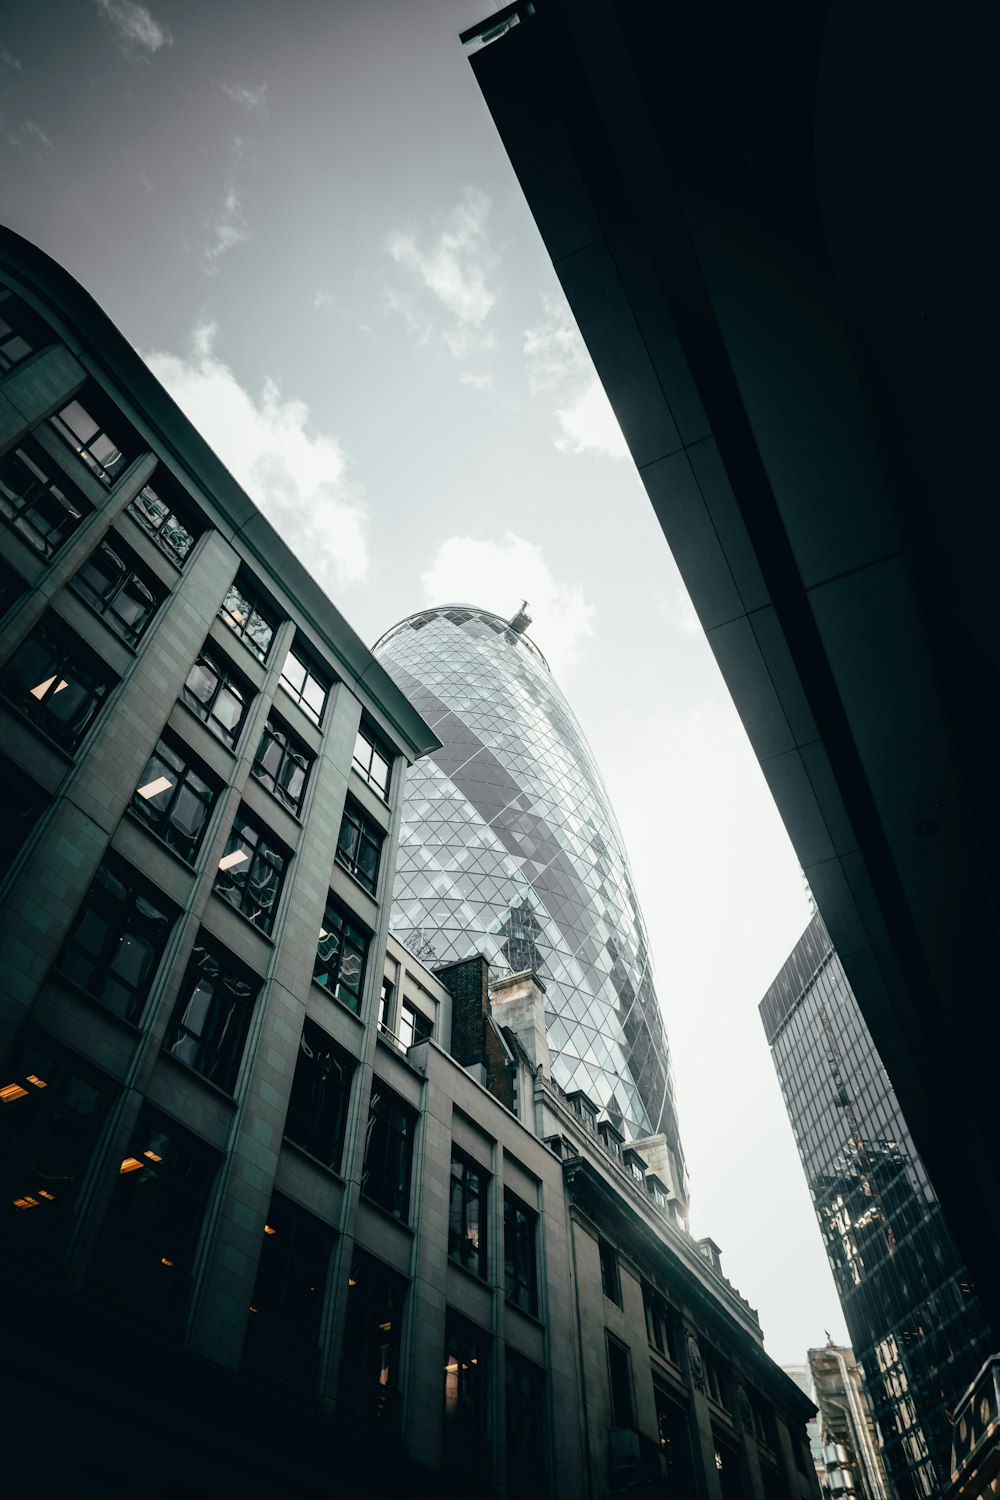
(248,619)
(172,535)
(113,585)
(208,1029)
(174,798)
(117,939)
(251,872)
(218,697)
(525,1415)
(23,803)
(321,1090)
(466,1384)
(388,1151)
(610,1277)
(620,1380)
(22,331)
(359,846)
(519,1262)
(57,682)
(42,511)
(340,957)
(84,434)
(282,1342)
(369,1371)
(467,1234)
(282,765)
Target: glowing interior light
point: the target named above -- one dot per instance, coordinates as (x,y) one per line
(43,687)
(351,1281)
(152,1156)
(322,932)
(38,1082)
(236,858)
(12,1091)
(130,1164)
(452,1369)
(154,788)
(164,1261)
(25,1202)
(43,1194)
(269,1229)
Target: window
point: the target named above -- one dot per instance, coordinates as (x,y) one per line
(373,760)
(466,1379)
(730,1466)
(56,682)
(282,765)
(340,957)
(114,587)
(369,1370)
(525,1420)
(519,1261)
(174,536)
(23,803)
(385,1004)
(208,1029)
(716,1377)
(219,697)
(52,1108)
(414,1026)
(116,942)
(321,1090)
(12,585)
(282,1343)
(21,333)
(675,1444)
(146,1252)
(662,1326)
(467,1214)
(359,847)
(389,1151)
(174,798)
(250,873)
(42,512)
(85,436)
(764,1426)
(620,1383)
(306,686)
(245,618)
(610,1276)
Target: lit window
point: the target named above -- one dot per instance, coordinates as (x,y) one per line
(219,697)
(282,1344)
(174,798)
(340,957)
(466,1382)
(42,512)
(85,436)
(116,942)
(57,682)
(321,1090)
(171,534)
(282,765)
(373,760)
(245,618)
(208,1029)
(118,590)
(389,1151)
(519,1254)
(307,687)
(359,847)
(369,1369)
(251,872)
(467,1214)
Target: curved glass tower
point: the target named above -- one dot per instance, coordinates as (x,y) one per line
(509,847)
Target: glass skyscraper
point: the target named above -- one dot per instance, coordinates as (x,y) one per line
(915,1322)
(509,847)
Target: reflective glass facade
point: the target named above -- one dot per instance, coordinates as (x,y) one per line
(509,847)
(915,1322)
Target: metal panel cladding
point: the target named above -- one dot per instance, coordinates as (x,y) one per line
(509,847)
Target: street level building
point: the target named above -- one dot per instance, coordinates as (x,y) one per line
(283,1212)
(917,1326)
(850,1461)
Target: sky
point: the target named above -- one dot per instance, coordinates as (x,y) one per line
(303,218)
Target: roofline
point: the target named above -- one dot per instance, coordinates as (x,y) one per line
(103,350)
(436,609)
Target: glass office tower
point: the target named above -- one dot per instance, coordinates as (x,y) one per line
(509,847)
(915,1322)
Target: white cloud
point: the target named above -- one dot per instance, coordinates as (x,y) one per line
(324,299)
(478,382)
(453,271)
(10,61)
(253,99)
(558,362)
(498,575)
(298,477)
(27,133)
(138,35)
(228,229)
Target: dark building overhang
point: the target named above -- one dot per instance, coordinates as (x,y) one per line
(772,225)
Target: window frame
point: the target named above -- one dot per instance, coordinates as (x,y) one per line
(167,756)
(131,574)
(314,1045)
(520,1253)
(169,530)
(300,695)
(227,680)
(611,1280)
(68,658)
(99,906)
(524,1391)
(291,752)
(471,1254)
(24,511)
(221,1040)
(234,881)
(367,833)
(332,965)
(365,764)
(466,1379)
(389,1137)
(247,623)
(106,466)
(621,1391)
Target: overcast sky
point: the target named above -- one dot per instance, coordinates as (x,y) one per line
(302,216)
